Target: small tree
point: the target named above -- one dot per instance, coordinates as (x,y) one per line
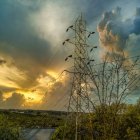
(113,81)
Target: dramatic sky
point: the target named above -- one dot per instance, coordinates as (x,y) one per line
(31,51)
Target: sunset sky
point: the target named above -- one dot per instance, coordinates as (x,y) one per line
(31,52)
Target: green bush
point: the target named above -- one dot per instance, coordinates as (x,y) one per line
(7,129)
(121,126)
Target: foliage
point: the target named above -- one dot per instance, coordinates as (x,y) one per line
(10,122)
(126,125)
(7,130)
(34,120)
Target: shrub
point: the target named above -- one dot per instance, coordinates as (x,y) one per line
(7,129)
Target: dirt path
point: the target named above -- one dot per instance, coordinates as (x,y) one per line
(38,134)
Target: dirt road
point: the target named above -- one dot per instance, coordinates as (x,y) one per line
(38,134)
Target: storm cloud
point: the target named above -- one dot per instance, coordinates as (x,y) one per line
(32,32)
(31,36)
(15,101)
(117,34)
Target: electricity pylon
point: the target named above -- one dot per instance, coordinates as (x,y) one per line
(79,102)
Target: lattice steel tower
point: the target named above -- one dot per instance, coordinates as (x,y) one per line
(79,102)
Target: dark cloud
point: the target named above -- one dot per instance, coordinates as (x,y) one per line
(15,101)
(2,61)
(56,98)
(96,8)
(138,12)
(115,33)
(19,41)
(1,96)
(33,55)
(137,26)
(5,89)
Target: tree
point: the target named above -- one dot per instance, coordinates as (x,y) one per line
(113,81)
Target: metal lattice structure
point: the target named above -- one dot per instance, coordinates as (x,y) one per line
(79,101)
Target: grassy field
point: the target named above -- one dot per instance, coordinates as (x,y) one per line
(12,122)
(34,119)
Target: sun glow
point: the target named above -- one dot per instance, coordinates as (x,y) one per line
(53,74)
(31,96)
(34,96)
